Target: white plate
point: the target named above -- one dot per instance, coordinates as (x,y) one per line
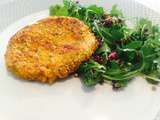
(70,100)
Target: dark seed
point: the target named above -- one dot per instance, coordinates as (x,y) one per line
(101,82)
(154,88)
(98,58)
(108,22)
(120,21)
(99,42)
(146,30)
(116,86)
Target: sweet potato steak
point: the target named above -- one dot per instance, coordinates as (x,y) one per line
(50,49)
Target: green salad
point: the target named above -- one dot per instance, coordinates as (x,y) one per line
(123,52)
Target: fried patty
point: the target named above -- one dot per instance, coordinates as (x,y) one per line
(50,49)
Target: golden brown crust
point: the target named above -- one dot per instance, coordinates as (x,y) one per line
(50,49)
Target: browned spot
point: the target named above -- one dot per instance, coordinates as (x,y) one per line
(50,21)
(59,20)
(69,48)
(48,46)
(76,35)
(73,21)
(22,38)
(42,70)
(84,49)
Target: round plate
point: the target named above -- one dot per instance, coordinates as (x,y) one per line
(69,99)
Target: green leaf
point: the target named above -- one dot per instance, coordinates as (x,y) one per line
(97,10)
(117,34)
(131,56)
(58,10)
(91,78)
(106,32)
(91,72)
(153,78)
(147,50)
(104,50)
(151,52)
(134,45)
(113,68)
(114,65)
(116,12)
(67,3)
(144,22)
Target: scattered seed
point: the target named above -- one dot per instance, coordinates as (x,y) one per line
(154,88)
(75,75)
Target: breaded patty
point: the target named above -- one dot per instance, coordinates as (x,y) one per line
(50,49)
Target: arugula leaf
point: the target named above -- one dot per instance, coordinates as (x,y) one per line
(67,3)
(133,45)
(58,10)
(144,23)
(103,50)
(152,52)
(117,34)
(96,10)
(91,72)
(116,12)
(153,78)
(113,68)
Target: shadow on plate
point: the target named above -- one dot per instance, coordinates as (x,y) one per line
(84,88)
